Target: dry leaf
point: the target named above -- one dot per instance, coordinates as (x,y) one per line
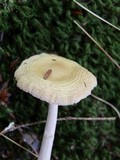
(32,141)
(4,94)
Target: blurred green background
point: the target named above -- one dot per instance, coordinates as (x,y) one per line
(30,27)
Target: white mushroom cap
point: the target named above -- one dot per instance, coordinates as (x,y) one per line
(55,79)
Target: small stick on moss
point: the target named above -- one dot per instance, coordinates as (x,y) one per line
(79,4)
(68,119)
(106,102)
(18,144)
(102,49)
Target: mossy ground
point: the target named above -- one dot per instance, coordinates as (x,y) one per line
(32,27)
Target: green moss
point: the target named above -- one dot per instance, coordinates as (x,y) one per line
(33,27)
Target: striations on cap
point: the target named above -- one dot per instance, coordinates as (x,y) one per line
(55,79)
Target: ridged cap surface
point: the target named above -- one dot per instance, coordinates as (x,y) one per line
(55,79)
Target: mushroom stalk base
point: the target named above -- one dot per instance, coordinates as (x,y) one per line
(49,132)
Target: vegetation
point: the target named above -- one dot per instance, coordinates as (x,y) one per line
(28,28)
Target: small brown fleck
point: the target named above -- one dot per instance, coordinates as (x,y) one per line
(47,74)
(53,59)
(85,84)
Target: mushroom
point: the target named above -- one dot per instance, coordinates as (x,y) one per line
(58,81)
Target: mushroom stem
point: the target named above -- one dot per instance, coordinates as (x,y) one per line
(49,132)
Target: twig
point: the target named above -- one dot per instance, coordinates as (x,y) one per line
(18,144)
(9,128)
(96,43)
(59,120)
(87,118)
(96,15)
(106,102)
(44,121)
(68,119)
